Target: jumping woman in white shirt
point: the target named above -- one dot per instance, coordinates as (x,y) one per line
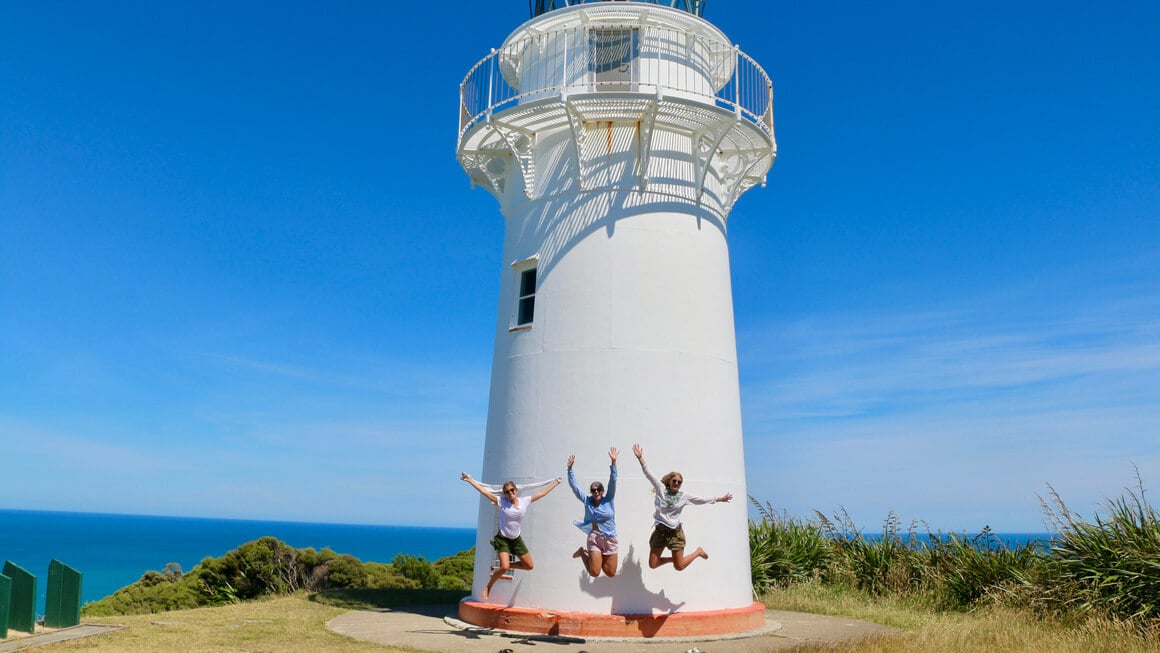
(507,541)
(667,530)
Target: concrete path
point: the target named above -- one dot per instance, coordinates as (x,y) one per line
(436,628)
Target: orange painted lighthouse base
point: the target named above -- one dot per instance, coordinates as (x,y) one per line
(584,624)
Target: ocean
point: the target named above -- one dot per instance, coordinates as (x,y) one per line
(1008,540)
(112,551)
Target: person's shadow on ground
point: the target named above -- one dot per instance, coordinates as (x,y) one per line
(629,594)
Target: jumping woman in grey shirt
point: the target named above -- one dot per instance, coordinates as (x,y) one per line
(667,530)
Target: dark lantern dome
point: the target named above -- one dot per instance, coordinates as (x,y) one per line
(538,7)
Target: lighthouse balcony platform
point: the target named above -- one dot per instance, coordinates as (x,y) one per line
(595,70)
(616,57)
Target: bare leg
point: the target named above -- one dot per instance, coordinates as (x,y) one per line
(680,560)
(584,559)
(609,565)
(594,560)
(525,562)
(505,565)
(655,560)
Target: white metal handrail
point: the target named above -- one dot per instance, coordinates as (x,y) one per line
(621,59)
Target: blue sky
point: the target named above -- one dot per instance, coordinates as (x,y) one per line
(242,274)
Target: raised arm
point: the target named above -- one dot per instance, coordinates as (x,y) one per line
(610,491)
(487,494)
(572,479)
(544,492)
(644,468)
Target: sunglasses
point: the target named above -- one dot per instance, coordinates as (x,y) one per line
(596,489)
(510,490)
(675,481)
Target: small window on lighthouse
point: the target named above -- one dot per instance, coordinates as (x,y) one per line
(612,56)
(526,305)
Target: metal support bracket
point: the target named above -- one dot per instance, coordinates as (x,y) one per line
(648,121)
(521,142)
(706,142)
(576,124)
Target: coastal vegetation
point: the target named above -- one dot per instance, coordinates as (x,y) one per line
(1092,585)
(1091,578)
(269,567)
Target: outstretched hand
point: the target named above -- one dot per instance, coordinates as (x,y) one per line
(639,453)
(613,453)
(726,498)
(464,476)
(571,460)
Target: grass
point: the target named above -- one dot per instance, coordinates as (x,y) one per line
(288,624)
(374,599)
(986,629)
(297,624)
(903,613)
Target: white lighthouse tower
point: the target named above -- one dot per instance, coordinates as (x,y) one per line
(617,136)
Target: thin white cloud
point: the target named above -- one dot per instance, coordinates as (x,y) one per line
(251,438)
(955,411)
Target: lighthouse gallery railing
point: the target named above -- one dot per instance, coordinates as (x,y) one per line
(618,59)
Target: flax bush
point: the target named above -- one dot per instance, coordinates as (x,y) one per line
(1107,568)
(1110,566)
(784,550)
(892,562)
(963,571)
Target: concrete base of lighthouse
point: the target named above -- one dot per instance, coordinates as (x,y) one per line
(583,624)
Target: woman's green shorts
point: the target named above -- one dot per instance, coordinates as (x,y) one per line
(506,545)
(664,537)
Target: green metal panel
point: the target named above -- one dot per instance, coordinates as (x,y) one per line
(22,611)
(5,604)
(62,607)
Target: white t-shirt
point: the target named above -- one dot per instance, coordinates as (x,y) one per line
(510,516)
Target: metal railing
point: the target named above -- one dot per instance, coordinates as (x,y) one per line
(537,7)
(620,59)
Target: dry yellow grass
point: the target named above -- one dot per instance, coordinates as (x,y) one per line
(1003,630)
(296,625)
(985,630)
(290,624)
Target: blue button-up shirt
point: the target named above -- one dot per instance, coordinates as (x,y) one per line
(603,515)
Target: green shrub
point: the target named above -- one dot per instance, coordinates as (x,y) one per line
(452,583)
(460,566)
(344,571)
(784,550)
(268,566)
(259,568)
(383,576)
(417,569)
(155,592)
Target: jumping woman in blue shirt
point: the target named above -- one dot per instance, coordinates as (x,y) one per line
(599,552)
